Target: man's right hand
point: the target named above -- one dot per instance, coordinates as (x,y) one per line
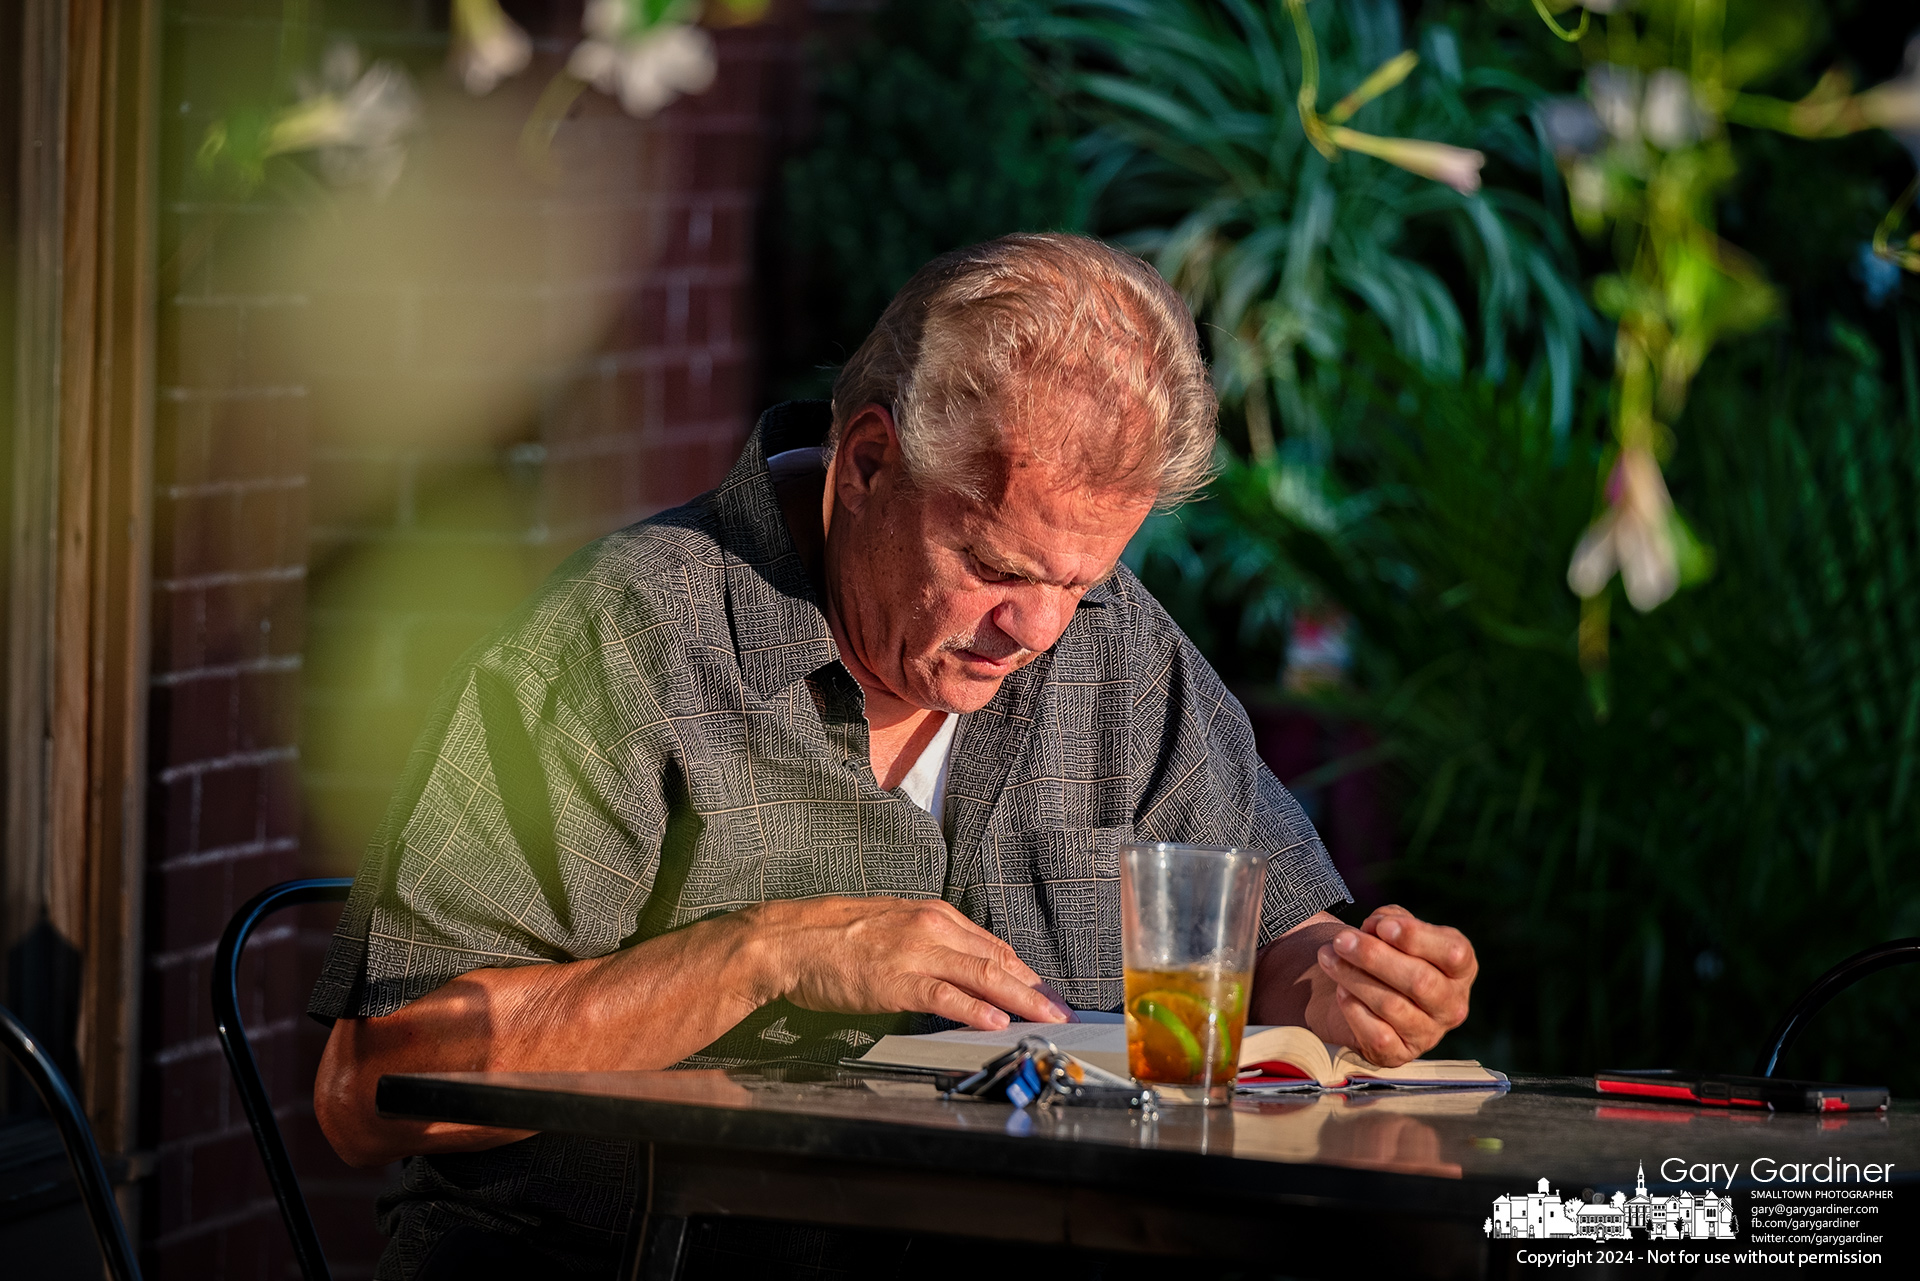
(891,955)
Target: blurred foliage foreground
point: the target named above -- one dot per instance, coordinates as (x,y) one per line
(1414,387)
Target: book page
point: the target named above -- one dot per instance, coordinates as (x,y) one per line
(1103,1045)
(1419,1072)
(1294,1046)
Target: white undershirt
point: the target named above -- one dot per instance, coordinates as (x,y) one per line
(926,783)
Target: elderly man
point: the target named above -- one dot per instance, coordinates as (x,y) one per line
(844,746)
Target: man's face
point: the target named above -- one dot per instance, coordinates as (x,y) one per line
(938,598)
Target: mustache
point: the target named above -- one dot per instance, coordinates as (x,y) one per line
(993,648)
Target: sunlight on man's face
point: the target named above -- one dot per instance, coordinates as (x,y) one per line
(944,597)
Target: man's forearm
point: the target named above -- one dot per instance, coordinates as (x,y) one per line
(1291,987)
(646,1007)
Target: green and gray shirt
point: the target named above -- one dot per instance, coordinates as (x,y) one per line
(665,732)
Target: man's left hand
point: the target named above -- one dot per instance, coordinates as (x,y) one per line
(1402,984)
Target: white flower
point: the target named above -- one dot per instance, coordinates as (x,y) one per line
(1458,167)
(1670,115)
(488,46)
(357,122)
(646,71)
(1615,95)
(1895,105)
(1635,537)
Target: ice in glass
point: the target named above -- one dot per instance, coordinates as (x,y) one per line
(1189,921)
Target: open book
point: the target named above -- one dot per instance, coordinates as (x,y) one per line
(1284,1056)
(1271,1058)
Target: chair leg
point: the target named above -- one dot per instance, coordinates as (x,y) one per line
(656,1249)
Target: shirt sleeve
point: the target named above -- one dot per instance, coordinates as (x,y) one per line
(1203,782)
(518,835)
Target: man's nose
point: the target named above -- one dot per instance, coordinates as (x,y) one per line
(1034,619)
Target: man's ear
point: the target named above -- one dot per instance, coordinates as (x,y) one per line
(869,446)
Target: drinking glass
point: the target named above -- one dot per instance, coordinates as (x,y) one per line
(1189,920)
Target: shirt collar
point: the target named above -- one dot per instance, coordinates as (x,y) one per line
(779,631)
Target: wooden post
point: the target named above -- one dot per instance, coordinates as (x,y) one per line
(80,539)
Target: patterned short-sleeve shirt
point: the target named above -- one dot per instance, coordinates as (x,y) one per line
(665,732)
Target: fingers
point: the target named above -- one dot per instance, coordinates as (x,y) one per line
(883,954)
(1412,1024)
(931,996)
(1066,1012)
(985,978)
(1367,958)
(972,937)
(1441,946)
(1373,1036)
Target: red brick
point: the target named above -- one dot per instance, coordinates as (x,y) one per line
(172,814)
(271,346)
(230,806)
(257,437)
(192,903)
(183,1013)
(199,718)
(259,524)
(196,534)
(169,1209)
(280,806)
(723,162)
(199,344)
(181,441)
(230,627)
(178,630)
(268,712)
(282,626)
(195,1097)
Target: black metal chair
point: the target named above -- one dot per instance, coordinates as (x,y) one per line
(246,1070)
(1879,957)
(84,1155)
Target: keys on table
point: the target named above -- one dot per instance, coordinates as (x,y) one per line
(1036,1073)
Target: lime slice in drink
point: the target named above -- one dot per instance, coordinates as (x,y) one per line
(1176,1013)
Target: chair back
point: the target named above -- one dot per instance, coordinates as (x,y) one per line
(1829,985)
(246,1069)
(108,1228)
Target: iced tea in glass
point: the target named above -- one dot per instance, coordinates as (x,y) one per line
(1189,921)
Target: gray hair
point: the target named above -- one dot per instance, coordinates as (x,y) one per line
(984,335)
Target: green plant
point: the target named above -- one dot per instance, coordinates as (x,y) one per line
(1648,156)
(1656,886)
(930,136)
(1204,158)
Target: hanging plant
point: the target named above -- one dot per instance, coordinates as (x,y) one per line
(1646,156)
(356,120)
(488,46)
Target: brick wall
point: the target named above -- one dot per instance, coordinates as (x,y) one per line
(376,431)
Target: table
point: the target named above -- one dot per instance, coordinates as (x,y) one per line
(1293,1182)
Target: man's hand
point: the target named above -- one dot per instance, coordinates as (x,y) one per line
(656,1002)
(887,955)
(1402,984)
